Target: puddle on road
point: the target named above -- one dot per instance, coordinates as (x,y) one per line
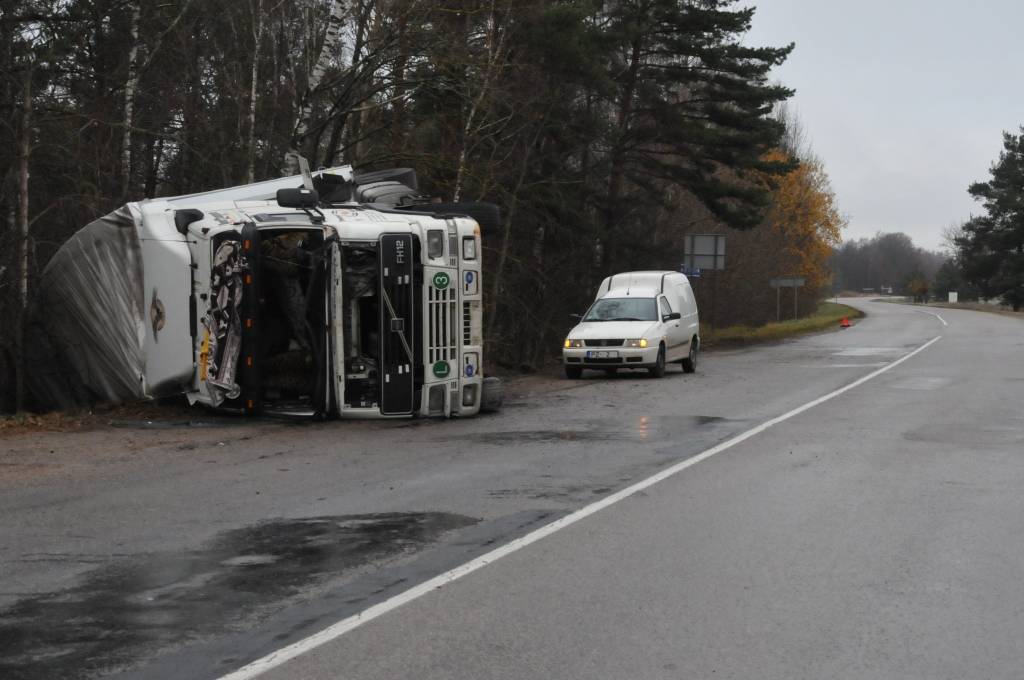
(640,429)
(122,611)
(970,435)
(922,383)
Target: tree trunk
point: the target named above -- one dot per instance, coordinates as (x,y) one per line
(509,219)
(494,47)
(24,149)
(257,35)
(397,131)
(616,178)
(353,119)
(330,46)
(129,102)
(155,155)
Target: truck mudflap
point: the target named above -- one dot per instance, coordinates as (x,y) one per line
(397,324)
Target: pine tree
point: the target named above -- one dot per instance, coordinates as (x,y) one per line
(992,245)
(691,107)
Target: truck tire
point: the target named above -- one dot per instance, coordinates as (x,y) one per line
(492,393)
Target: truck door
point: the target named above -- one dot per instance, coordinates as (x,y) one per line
(397,320)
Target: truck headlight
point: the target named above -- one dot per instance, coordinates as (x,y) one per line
(638,342)
(468,248)
(435,243)
(570,343)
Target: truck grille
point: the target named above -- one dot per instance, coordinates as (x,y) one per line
(442,333)
(603,343)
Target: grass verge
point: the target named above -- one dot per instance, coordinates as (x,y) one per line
(828,315)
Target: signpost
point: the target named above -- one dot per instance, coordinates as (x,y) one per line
(778,284)
(705,253)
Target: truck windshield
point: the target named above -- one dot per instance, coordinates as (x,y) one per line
(623,309)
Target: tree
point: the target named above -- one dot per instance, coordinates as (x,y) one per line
(916,286)
(806,218)
(690,106)
(991,246)
(949,278)
(604,130)
(886,260)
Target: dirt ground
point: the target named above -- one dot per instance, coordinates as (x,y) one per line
(38,447)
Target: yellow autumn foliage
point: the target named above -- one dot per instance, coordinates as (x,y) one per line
(806,218)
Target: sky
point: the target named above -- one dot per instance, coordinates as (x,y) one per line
(904,101)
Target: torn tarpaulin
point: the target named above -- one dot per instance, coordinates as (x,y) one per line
(85,340)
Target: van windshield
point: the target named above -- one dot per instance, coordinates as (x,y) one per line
(623,309)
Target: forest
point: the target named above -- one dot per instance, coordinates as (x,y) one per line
(605,131)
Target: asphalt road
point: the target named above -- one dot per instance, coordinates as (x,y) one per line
(874,535)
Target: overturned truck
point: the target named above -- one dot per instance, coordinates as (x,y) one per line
(334,294)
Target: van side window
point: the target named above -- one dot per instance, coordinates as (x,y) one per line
(666,308)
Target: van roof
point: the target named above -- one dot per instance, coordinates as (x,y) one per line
(641,279)
(634,291)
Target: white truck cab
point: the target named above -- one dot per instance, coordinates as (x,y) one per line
(643,319)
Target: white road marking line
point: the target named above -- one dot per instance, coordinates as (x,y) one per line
(933,314)
(868,365)
(344,626)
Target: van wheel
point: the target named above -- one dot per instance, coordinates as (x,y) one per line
(658,370)
(573,372)
(690,362)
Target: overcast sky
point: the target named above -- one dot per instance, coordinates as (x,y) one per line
(905,101)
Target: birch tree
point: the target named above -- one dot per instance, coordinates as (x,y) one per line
(24,151)
(258,24)
(328,51)
(135,71)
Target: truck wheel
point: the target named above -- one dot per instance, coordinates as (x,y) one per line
(658,370)
(573,372)
(492,393)
(690,362)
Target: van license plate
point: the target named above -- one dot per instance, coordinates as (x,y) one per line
(602,355)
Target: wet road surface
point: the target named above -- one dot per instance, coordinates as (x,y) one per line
(801,549)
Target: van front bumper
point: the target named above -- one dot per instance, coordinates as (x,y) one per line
(610,357)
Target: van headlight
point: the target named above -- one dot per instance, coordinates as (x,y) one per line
(638,342)
(570,343)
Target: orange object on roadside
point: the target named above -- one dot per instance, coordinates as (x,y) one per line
(845,323)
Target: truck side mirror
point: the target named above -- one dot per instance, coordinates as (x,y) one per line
(671,317)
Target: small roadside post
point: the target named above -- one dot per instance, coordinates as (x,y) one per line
(705,252)
(793,282)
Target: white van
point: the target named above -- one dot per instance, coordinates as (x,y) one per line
(638,320)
